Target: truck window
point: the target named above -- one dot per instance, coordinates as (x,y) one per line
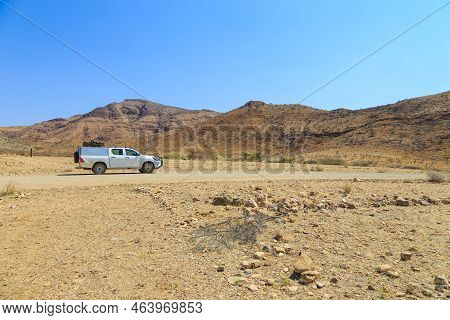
(117,152)
(132,153)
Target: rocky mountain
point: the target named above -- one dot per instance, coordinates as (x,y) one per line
(412,126)
(129,122)
(418,126)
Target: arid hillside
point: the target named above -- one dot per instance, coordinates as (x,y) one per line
(8,145)
(126,122)
(417,126)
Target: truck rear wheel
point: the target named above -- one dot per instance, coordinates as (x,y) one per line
(147,167)
(99,168)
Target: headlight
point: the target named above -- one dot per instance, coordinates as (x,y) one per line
(157,158)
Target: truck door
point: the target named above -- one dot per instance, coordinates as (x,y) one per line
(132,158)
(117,158)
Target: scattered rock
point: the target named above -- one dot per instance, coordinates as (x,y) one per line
(405,256)
(269,282)
(250,203)
(370,287)
(303,263)
(402,202)
(392,274)
(222,200)
(279,249)
(259,255)
(252,264)
(309,276)
(293,288)
(384,268)
(252,287)
(237,202)
(320,284)
(235,280)
(279,237)
(440,280)
(220,269)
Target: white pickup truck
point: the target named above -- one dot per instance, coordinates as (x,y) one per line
(98,159)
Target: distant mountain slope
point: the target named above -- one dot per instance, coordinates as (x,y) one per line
(126,122)
(8,145)
(419,125)
(413,126)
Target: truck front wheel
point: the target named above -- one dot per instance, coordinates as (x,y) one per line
(99,168)
(147,167)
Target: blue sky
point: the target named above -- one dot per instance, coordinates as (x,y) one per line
(217,54)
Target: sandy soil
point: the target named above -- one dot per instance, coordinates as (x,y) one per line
(163,241)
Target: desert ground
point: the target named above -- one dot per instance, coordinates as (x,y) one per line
(219,230)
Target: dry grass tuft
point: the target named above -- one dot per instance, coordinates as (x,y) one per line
(347,187)
(9,189)
(437,177)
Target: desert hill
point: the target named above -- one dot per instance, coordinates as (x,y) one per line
(126,122)
(414,126)
(418,126)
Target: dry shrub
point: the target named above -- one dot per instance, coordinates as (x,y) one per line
(347,187)
(437,177)
(332,161)
(222,235)
(363,163)
(316,168)
(9,189)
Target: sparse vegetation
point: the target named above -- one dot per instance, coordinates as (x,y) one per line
(363,163)
(332,161)
(347,187)
(411,167)
(222,235)
(316,168)
(254,157)
(282,160)
(9,189)
(437,177)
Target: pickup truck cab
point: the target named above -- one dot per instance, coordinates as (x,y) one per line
(99,159)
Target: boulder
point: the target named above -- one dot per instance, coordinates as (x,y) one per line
(222,200)
(303,263)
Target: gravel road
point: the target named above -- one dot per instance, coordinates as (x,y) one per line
(90,180)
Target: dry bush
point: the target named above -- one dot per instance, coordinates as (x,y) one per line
(9,189)
(363,163)
(347,187)
(332,161)
(411,167)
(316,168)
(222,235)
(438,177)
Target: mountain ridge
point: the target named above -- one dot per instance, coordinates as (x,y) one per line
(409,125)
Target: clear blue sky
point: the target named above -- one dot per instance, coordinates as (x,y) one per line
(217,54)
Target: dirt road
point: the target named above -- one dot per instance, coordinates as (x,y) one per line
(90,180)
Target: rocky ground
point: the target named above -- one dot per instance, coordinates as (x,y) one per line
(228,240)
